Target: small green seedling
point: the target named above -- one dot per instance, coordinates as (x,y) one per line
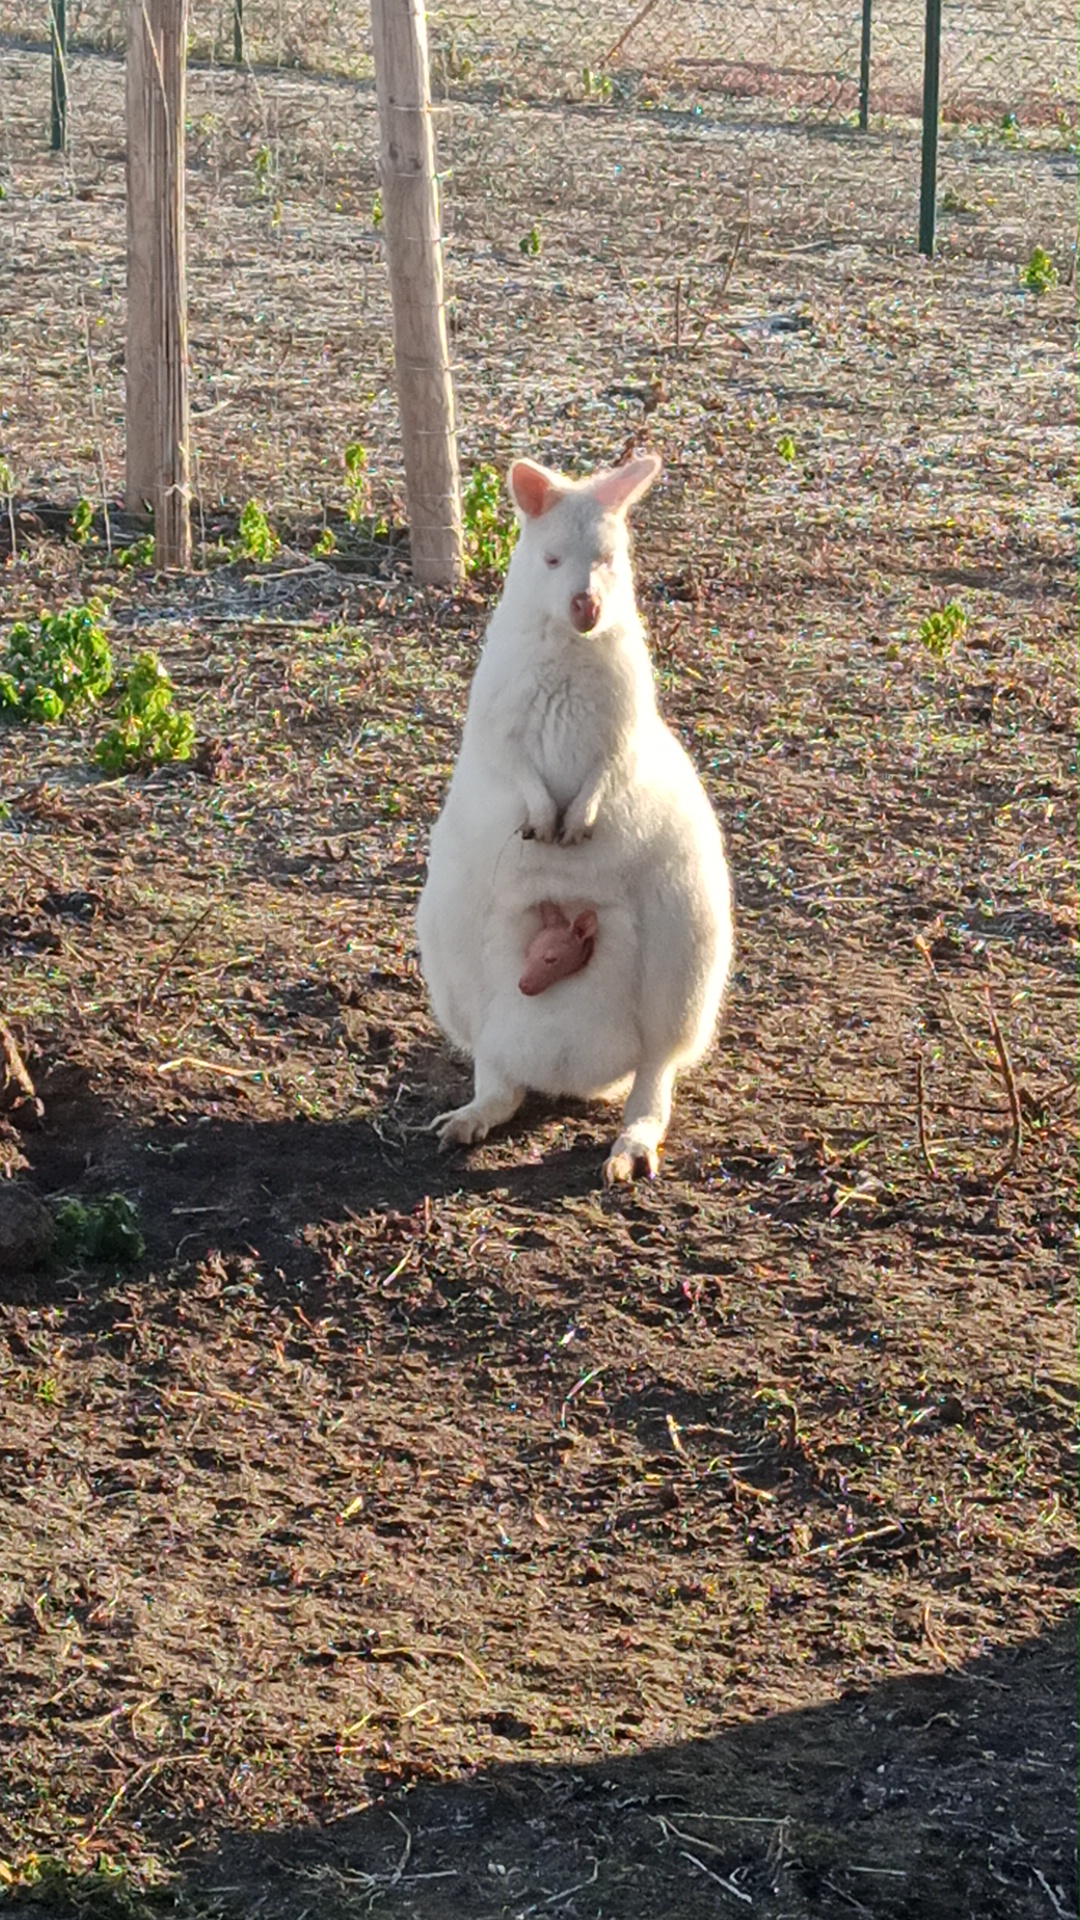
(257,539)
(81,524)
(149,731)
(597,86)
(263,164)
(489,527)
(325,544)
(939,630)
(1010,130)
(356,483)
(953,202)
(139,554)
(1040,274)
(105,1230)
(532,242)
(786,448)
(377,211)
(66,664)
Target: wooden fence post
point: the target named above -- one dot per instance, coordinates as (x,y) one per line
(157,396)
(410,198)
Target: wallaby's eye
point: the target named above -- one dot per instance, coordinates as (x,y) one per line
(552,560)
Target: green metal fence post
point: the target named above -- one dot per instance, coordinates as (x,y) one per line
(930,113)
(58,43)
(238,33)
(864,67)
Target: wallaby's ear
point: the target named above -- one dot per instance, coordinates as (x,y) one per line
(619,487)
(534,489)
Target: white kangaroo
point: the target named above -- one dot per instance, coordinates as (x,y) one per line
(570,792)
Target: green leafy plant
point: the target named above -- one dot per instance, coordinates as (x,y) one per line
(256,539)
(149,731)
(489,527)
(139,554)
(105,1230)
(325,544)
(1040,274)
(81,524)
(940,629)
(597,86)
(532,242)
(1010,130)
(377,211)
(356,482)
(263,164)
(64,665)
(786,448)
(953,202)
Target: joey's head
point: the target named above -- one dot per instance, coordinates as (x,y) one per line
(573,557)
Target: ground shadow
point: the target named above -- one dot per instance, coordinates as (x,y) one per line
(931,1797)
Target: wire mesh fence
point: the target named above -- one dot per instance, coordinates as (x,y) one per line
(997,58)
(625,190)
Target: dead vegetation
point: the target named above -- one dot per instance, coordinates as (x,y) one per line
(451,1538)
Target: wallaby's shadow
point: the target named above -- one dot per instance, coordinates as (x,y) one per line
(218,1180)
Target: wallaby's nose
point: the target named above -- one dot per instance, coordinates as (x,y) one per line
(585,611)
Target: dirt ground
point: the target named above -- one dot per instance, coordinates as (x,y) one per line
(450,1537)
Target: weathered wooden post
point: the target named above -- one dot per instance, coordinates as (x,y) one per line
(157,394)
(413,240)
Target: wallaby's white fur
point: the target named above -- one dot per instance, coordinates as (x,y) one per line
(570,788)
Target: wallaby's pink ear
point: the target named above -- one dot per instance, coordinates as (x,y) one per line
(551,915)
(534,489)
(619,487)
(585,925)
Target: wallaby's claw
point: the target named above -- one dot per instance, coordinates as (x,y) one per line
(461,1127)
(573,836)
(544,832)
(627,1161)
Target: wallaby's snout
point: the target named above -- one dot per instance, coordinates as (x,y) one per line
(585,611)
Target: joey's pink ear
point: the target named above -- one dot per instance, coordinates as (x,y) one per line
(534,489)
(585,925)
(551,915)
(619,487)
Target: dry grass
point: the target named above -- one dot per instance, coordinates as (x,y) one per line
(451,1535)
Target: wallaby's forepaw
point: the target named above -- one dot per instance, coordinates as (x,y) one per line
(572,832)
(462,1127)
(579,820)
(543,827)
(629,1160)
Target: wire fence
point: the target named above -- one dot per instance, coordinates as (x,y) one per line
(998,59)
(624,187)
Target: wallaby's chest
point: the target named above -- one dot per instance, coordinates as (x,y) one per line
(569,718)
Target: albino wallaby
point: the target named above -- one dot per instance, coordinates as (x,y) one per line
(570,793)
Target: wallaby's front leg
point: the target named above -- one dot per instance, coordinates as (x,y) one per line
(541,812)
(495,1099)
(645,1122)
(579,818)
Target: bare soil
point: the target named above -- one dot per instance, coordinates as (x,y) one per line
(451,1537)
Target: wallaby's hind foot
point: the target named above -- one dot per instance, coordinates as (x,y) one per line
(493,1102)
(629,1160)
(636,1153)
